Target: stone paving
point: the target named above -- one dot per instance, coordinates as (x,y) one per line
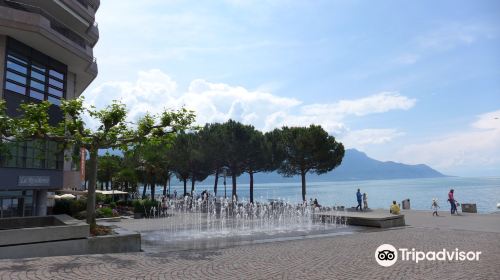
(340,257)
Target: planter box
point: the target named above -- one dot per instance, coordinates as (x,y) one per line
(138,215)
(469,208)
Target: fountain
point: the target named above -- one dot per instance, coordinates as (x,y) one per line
(216,222)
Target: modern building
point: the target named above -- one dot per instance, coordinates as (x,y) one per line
(46,53)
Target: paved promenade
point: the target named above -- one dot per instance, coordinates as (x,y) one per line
(341,257)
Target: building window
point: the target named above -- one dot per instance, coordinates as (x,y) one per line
(33,74)
(38,154)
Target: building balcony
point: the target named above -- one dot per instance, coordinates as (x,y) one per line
(93,33)
(90,3)
(38,29)
(53,22)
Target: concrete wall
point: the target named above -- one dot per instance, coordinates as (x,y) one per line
(121,243)
(73,229)
(53,239)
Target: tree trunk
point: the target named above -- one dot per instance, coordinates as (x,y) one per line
(192,186)
(216,181)
(102,186)
(233,178)
(144,191)
(251,186)
(165,189)
(185,186)
(153,185)
(92,187)
(107,185)
(303,175)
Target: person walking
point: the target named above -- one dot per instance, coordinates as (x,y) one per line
(365,201)
(434,207)
(359,196)
(453,202)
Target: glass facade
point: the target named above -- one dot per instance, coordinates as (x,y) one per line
(39,154)
(16,203)
(33,74)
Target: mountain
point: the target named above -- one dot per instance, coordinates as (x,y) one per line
(357,165)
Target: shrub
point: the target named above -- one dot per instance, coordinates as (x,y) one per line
(77,206)
(104,212)
(82,215)
(148,204)
(62,206)
(125,202)
(112,205)
(100,198)
(138,206)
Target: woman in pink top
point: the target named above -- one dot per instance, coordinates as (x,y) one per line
(453,204)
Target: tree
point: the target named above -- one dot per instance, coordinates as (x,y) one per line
(153,160)
(304,150)
(108,166)
(214,149)
(234,135)
(179,156)
(112,132)
(257,154)
(188,160)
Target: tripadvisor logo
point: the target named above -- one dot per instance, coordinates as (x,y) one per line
(387,255)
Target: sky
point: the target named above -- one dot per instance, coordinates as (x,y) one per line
(407,81)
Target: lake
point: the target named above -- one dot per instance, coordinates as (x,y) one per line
(485,192)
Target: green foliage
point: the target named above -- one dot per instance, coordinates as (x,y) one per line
(82,215)
(123,203)
(113,131)
(62,206)
(112,205)
(144,205)
(138,206)
(108,165)
(77,206)
(69,206)
(100,198)
(104,212)
(306,149)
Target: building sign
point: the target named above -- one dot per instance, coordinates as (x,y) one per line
(34,181)
(83,157)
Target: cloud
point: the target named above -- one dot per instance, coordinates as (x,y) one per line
(476,146)
(154,91)
(445,37)
(363,137)
(452,35)
(378,103)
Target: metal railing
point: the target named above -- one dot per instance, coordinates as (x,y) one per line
(54,24)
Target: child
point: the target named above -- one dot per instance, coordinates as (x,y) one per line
(365,201)
(435,207)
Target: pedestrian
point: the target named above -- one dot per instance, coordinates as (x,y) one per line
(394,208)
(175,194)
(359,196)
(453,202)
(365,201)
(435,207)
(164,205)
(316,204)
